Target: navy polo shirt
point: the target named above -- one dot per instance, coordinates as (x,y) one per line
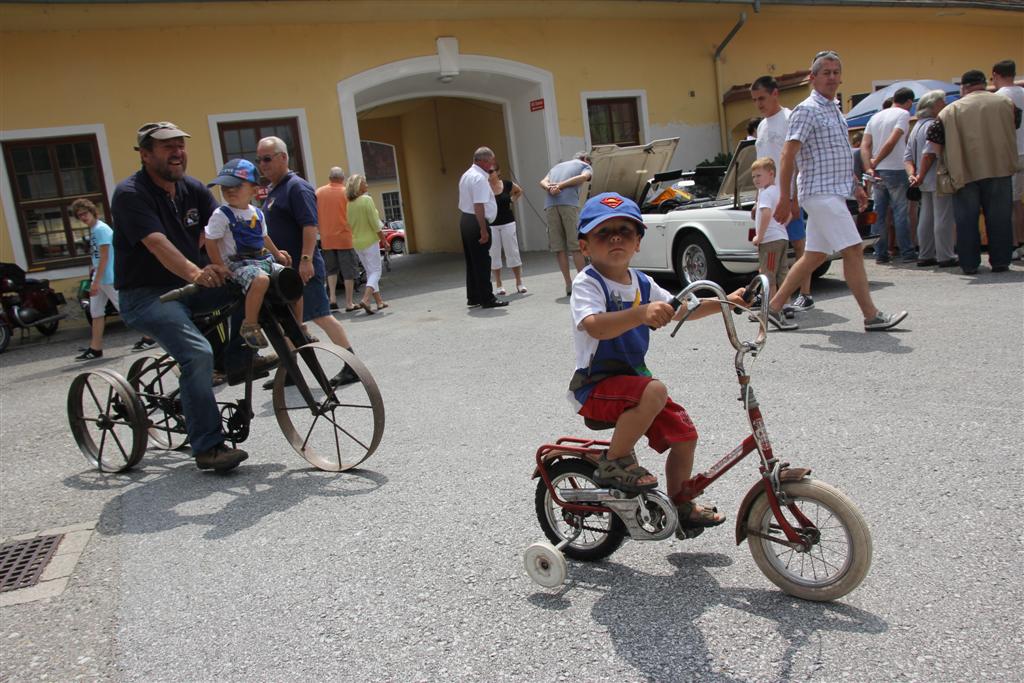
(139,208)
(291,205)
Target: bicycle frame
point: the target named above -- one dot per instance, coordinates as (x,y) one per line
(770,468)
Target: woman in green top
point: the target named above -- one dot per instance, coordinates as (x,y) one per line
(366,235)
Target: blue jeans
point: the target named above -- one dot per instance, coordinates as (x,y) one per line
(994,196)
(892,191)
(171,325)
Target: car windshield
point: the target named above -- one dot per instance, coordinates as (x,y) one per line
(739,170)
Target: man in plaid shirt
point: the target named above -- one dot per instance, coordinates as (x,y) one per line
(818,143)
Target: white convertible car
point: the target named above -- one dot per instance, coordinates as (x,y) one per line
(707,239)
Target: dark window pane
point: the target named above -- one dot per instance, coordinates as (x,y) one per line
(66,156)
(232,145)
(21,159)
(248,138)
(40,159)
(40,186)
(85,154)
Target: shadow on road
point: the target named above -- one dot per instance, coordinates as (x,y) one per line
(169,492)
(653,621)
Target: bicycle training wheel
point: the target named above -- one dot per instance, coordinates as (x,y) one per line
(602,533)
(333,427)
(840,552)
(155,381)
(107,420)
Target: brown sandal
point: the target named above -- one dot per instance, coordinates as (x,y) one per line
(707,517)
(622,473)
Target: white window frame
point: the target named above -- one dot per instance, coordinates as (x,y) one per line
(641,105)
(299,114)
(10,209)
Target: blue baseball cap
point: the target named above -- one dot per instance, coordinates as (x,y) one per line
(235,172)
(600,208)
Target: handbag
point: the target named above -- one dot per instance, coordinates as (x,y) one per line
(943,183)
(914,193)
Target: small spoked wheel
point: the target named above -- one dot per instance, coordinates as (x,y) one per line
(107,420)
(545,565)
(593,536)
(837,551)
(334,426)
(155,380)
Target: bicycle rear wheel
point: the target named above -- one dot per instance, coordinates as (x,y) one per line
(155,381)
(333,427)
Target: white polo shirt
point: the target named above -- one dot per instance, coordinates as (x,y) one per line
(881,127)
(474,188)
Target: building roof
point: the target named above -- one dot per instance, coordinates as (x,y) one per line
(788,81)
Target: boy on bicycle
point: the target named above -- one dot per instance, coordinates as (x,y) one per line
(614,307)
(236,237)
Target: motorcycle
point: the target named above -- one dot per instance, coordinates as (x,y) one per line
(26,303)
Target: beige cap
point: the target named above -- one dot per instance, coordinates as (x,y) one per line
(161,130)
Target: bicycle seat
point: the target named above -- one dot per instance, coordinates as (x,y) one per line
(597,425)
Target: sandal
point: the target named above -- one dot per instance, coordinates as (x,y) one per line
(366,307)
(500,291)
(521,289)
(622,473)
(253,336)
(707,517)
(349,309)
(382,306)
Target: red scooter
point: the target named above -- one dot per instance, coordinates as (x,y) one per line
(25,303)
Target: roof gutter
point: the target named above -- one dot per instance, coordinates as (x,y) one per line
(722,134)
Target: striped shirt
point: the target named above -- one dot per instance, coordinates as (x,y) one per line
(824,160)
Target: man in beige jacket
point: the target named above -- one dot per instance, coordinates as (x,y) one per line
(976,139)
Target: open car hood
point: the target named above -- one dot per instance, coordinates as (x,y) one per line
(626,170)
(737,185)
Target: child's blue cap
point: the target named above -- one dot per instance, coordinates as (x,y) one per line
(600,208)
(235,172)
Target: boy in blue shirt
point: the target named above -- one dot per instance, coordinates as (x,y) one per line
(101,237)
(614,307)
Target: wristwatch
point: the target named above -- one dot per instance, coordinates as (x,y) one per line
(305,257)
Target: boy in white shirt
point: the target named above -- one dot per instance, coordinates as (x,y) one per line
(614,308)
(236,237)
(771,238)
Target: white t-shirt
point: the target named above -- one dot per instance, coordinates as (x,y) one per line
(771,136)
(475,188)
(880,127)
(1016,95)
(768,198)
(219,228)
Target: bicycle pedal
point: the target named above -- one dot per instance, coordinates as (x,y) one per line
(686,533)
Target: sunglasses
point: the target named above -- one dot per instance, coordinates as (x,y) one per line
(625,232)
(266,159)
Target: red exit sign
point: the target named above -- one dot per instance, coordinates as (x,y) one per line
(537,105)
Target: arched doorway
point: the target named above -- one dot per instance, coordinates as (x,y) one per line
(522,94)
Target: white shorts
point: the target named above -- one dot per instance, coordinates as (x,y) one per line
(98,303)
(830,226)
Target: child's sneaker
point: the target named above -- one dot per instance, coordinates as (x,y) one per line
(804,302)
(89,354)
(884,321)
(144,344)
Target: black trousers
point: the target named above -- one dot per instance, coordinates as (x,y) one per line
(478,261)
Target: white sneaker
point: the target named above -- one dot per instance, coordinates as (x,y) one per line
(884,321)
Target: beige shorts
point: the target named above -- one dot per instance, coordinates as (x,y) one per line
(1018,180)
(562,228)
(772,261)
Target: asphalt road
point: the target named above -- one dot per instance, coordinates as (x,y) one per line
(411,568)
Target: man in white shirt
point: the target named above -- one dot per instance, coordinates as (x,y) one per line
(885,141)
(1003,75)
(478,207)
(771,136)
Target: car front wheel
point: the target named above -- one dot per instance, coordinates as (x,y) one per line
(398,246)
(696,260)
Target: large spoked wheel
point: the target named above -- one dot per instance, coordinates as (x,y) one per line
(107,420)
(333,427)
(155,380)
(602,533)
(840,543)
(5,337)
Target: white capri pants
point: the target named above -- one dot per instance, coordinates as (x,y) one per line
(98,303)
(370,258)
(504,237)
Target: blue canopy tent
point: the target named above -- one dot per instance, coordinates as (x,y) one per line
(872,104)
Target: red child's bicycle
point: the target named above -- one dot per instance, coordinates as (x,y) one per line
(807,537)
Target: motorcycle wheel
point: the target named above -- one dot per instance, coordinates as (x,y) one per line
(5,337)
(840,552)
(48,329)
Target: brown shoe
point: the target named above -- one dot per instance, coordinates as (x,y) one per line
(221,458)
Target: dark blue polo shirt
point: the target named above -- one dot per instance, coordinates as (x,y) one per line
(289,206)
(139,208)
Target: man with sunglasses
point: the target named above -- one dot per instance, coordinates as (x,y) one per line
(159,214)
(818,144)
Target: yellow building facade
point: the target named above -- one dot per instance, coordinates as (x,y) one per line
(433,78)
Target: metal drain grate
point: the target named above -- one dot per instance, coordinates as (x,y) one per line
(22,562)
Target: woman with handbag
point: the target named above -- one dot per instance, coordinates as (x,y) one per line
(936,229)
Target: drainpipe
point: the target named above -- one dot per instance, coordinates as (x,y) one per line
(723,134)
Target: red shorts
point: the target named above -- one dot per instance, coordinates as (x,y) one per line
(615,395)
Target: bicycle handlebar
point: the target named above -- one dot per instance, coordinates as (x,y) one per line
(758,284)
(176,294)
